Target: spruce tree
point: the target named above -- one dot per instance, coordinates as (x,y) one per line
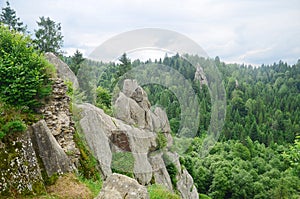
(8,17)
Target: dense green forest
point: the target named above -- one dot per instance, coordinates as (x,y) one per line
(258,152)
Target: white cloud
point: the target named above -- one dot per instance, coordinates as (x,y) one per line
(231,29)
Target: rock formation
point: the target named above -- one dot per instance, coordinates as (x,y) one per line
(43,148)
(62,69)
(118,186)
(133,131)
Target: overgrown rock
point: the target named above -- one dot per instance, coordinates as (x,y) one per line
(59,119)
(63,70)
(118,186)
(19,169)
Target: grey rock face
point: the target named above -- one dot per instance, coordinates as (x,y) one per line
(118,186)
(97,126)
(133,132)
(54,158)
(105,135)
(185,183)
(63,70)
(160,173)
(59,119)
(19,168)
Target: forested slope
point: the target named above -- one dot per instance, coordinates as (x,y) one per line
(257,155)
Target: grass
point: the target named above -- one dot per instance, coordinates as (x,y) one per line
(160,192)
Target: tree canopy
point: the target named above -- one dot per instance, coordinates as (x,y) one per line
(48,37)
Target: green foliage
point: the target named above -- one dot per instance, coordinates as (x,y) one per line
(160,192)
(13,127)
(161,140)
(76,60)
(48,36)
(123,163)
(94,185)
(229,171)
(23,73)
(9,18)
(172,170)
(103,99)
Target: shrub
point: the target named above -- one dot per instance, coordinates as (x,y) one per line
(158,192)
(24,74)
(161,140)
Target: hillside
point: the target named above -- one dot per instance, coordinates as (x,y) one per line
(170,128)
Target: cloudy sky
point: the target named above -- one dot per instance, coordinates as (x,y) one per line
(249,31)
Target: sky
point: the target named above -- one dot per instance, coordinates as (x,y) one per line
(238,31)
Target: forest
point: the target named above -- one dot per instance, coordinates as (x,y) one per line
(257,154)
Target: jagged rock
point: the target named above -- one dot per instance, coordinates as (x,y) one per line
(96,127)
(130,112)
(133,132)
(185,183)
(52,155)
(129,87)
(19,168)
(185,186)
(58,118)
(200,75)
(63,70)
(118,186)
(105,135)
(160,173)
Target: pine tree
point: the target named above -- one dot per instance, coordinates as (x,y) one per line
(9,18)
(77,59)
(48,36)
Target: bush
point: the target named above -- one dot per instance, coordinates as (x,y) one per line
(24,74)
(161,140)
(159,192)
(12,127)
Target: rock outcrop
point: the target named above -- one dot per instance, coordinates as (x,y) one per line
(59,119)
(62,69)
(19,168)
(133,131)
(47,147)
(52,155)
(106,135)
(118,186)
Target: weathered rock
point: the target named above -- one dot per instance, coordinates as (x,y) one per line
(63,70)
(58,118)
(52,155)
(105,135)
(19,168)
(129,87)
(200,75)
(185,183)
(118,186)
(96,127)
(185,186)
(160,173)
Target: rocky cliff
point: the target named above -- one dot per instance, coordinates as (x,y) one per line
(133,133)
(126,143)
(47,148)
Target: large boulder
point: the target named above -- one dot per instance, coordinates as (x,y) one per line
(118,186)
(63,70)
(106,135)
(52,155)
